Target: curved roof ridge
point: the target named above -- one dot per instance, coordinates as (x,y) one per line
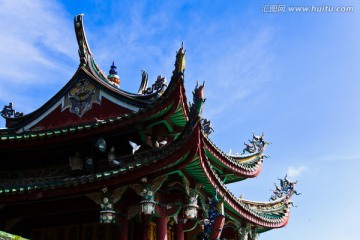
(233,158)
(85,55)
(249,168)
(278,219)
(246,201)
(87,60)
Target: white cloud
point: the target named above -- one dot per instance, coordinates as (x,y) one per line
(240,68)
(32,34)
(341,157)
(37,32)
(38,51)
(293,172)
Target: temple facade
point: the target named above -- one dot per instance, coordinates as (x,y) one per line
(98,162)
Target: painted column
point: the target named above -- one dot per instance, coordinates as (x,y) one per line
(123,230)
(162,228)
(179,234)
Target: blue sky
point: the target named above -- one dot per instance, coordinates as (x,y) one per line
(293,75)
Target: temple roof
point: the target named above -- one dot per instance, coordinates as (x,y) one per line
(186,154)
(90,106)
(83,95)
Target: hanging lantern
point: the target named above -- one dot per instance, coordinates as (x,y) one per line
(148,207)
(147,202)
(107,216)
(191,211)
(191,208)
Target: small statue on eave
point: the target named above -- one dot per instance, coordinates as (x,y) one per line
(250,148)
(9,112)
(256,144)
(160,83)
(158,86)
(286,189)
(259,141)
(206,126)
(288,186)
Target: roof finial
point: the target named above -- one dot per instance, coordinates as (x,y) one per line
(113,77)
(113,69)
(180,60)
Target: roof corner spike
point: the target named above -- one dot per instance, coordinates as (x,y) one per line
(180,61)
(84,50)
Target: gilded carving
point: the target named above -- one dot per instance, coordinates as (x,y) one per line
(81,97)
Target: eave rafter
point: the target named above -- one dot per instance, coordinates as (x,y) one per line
(165,117)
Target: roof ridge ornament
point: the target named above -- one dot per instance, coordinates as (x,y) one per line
(286,189)
(158,86)
(206,126)
(180,61)
(85,55)
(257,144)
(144,82)
(84,50)
(9,112)
(198,101)
(113,77)
(81,97)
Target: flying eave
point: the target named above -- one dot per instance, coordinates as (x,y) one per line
(234,168)
(263,215)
